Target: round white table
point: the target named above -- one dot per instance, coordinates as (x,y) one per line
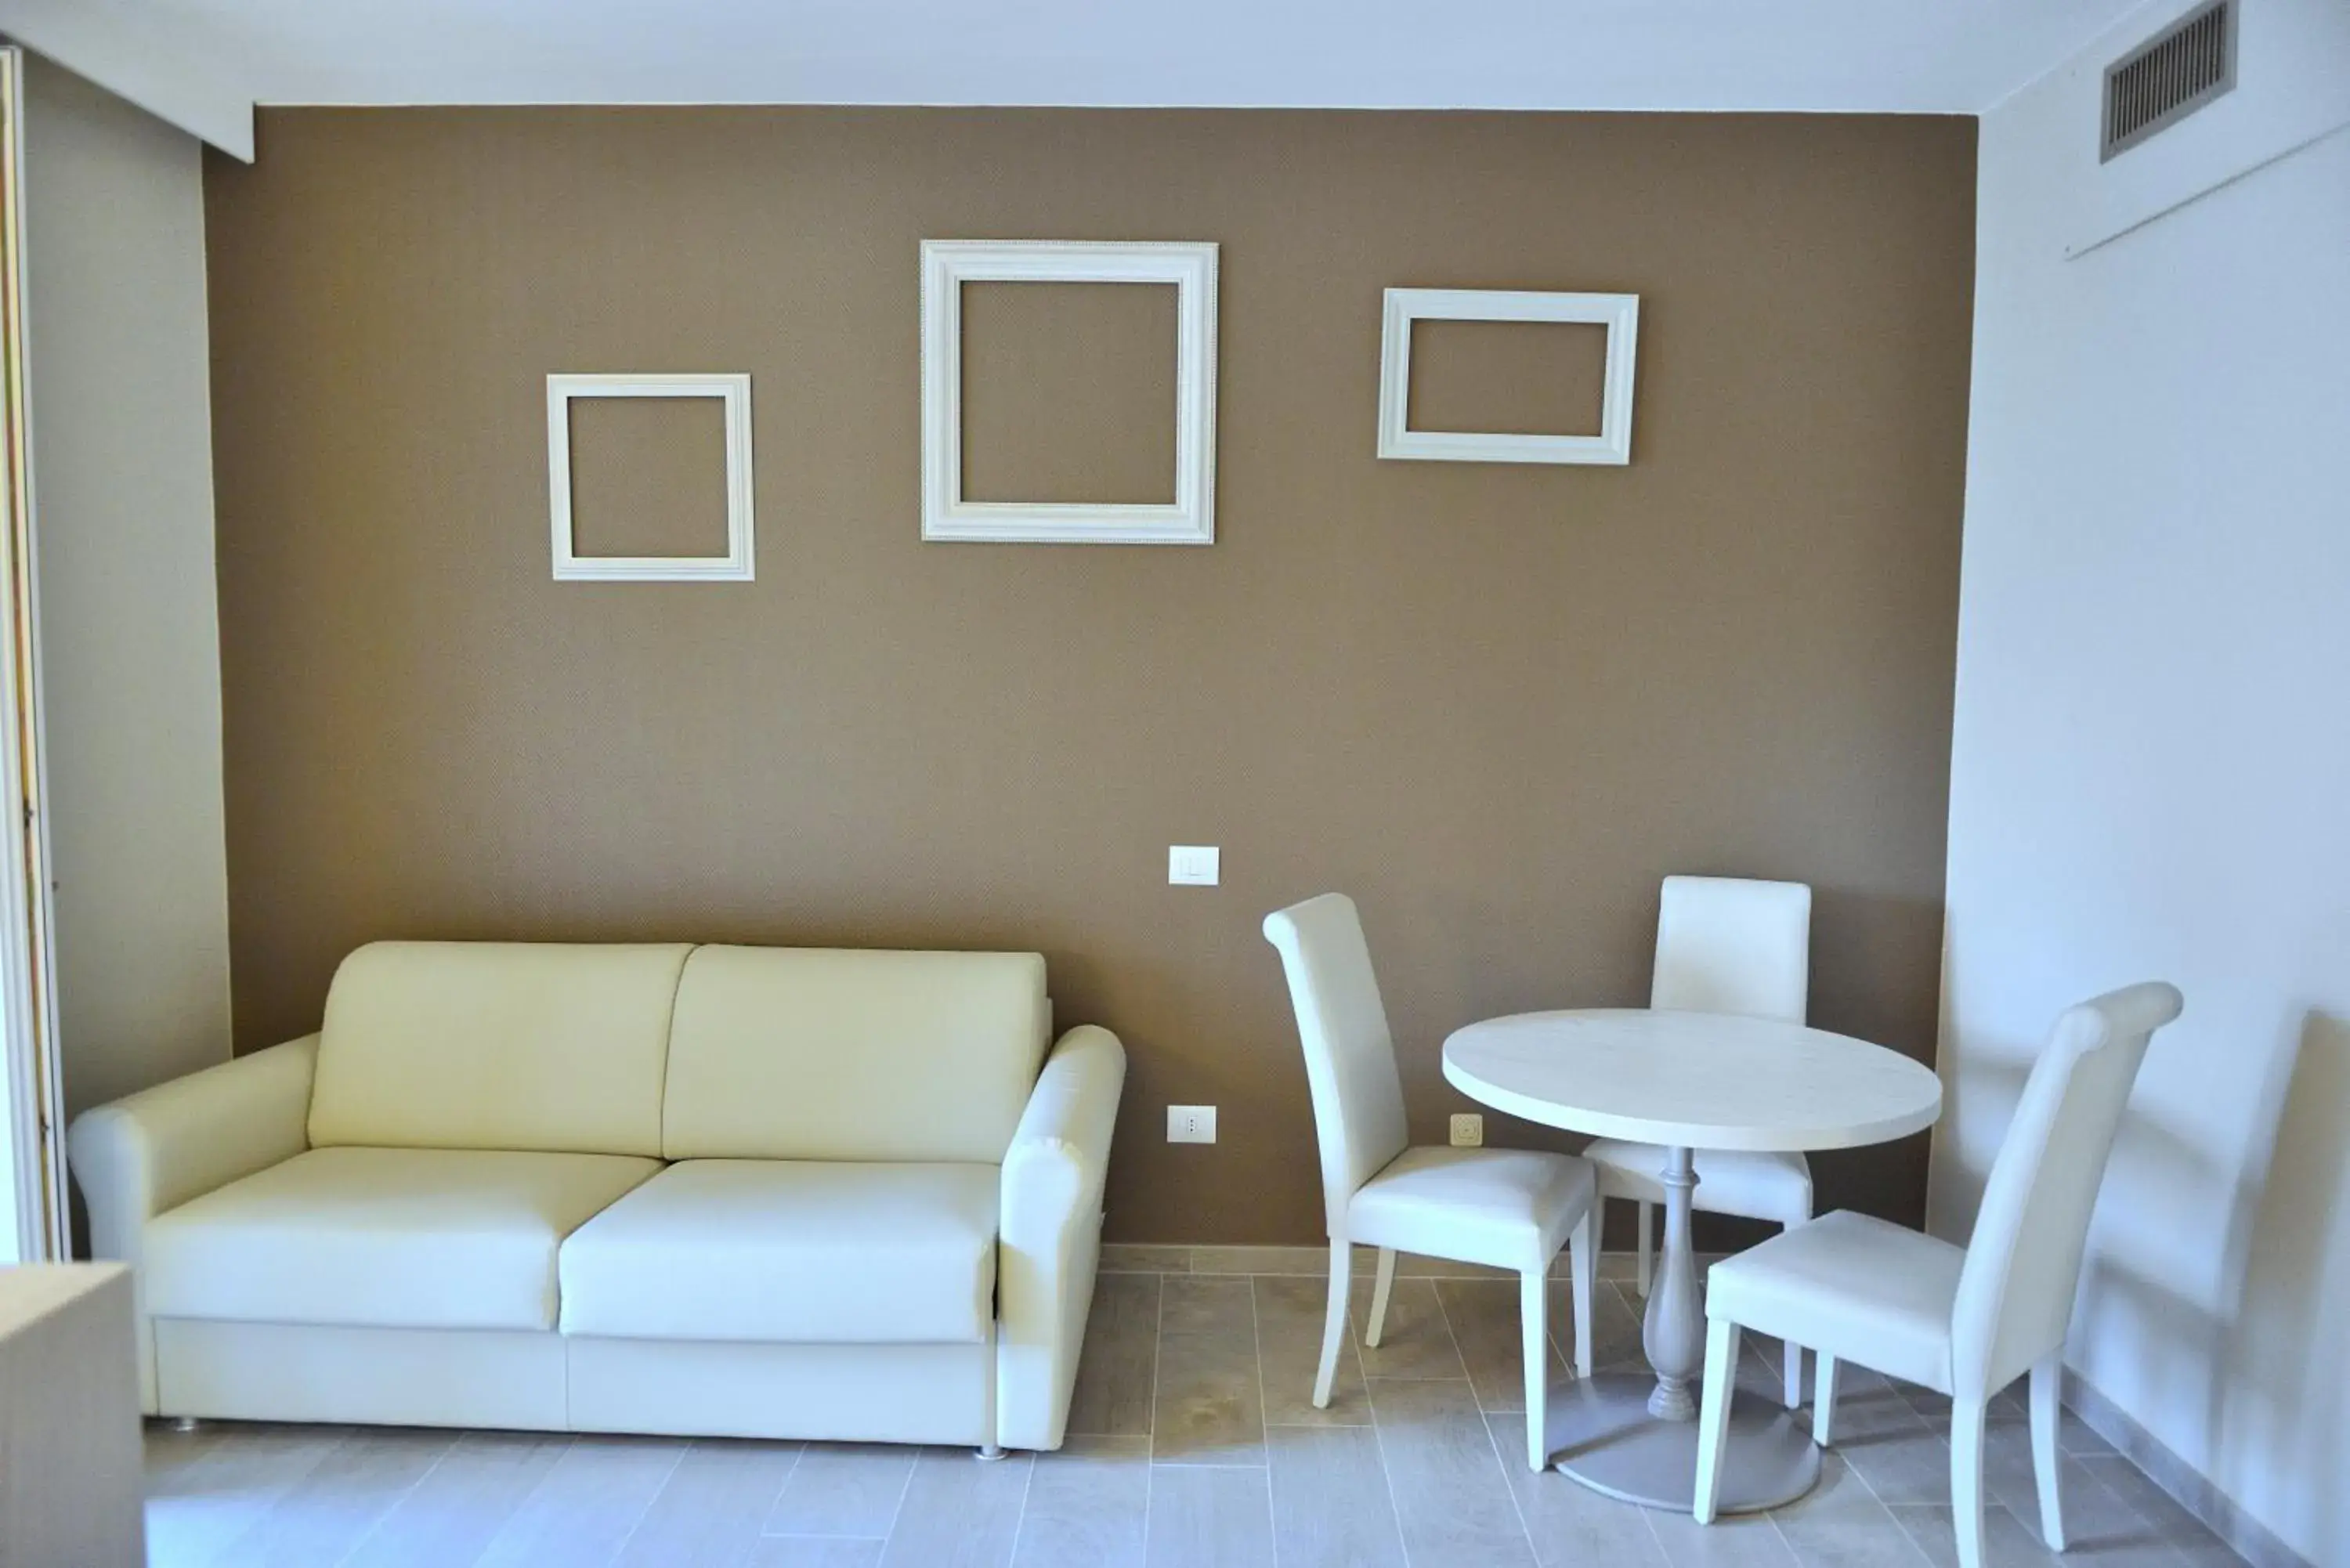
(1686,1081)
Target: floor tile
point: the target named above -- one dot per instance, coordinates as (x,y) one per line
(1840,1523)
(1120,1359)
(1451,1498)
(1209,1404)
(454,1511)
(220,1479)
(1484,1317)
(325,1514)
(1331,1507)
(960,1511)
(1208,1519)
(1418,1342)
(1206,1304)
(1289,1318)
(587,1503)
(1732,1540)
(814,1552)
(2179,1529)
(843,1489)
(709,1513)
(1088,1506)
(1571,1525)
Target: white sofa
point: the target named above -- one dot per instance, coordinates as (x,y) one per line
(738,1191)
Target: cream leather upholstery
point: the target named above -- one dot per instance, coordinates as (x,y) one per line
(449,1208)
(817,1053)
(1963,1323)
(1051,1221)
(509,1045)
(798,1252)
(1511,1209)
(1506,1207)
(161,1147)
(1849,1279)
(389,1238)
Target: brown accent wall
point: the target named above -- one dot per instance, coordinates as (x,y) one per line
(1495,704)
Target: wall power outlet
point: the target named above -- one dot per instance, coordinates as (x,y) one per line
(1467,1129)
(1191,1124)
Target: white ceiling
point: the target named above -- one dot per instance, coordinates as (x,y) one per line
(1909,56)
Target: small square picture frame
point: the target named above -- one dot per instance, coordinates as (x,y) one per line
(1619,313)
(946,266)
(733,393)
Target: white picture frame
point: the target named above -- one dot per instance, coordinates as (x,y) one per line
(1190,268)
(1619,313)
(733,393)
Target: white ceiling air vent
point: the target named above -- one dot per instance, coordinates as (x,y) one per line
(2169,76)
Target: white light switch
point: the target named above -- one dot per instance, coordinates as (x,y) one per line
(1193,865)
(1191,1124)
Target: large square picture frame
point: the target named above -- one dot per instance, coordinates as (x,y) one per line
(1190,268)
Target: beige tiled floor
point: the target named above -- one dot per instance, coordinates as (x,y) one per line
(1194,1442)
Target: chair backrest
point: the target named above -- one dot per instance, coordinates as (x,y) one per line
(1350,1055)
(2023,1261)
(1728,945)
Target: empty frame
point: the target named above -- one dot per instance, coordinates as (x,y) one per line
(1620,314)
(1191,517)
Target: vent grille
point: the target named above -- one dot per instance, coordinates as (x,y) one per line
(2169,76)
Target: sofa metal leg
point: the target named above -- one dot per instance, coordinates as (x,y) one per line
(185,1423)
(987,1453)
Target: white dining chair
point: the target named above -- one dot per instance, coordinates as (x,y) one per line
(1505,1208)
(1724,945)
(1965,1323)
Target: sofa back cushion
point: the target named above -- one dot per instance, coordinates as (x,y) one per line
(829,1053)
(511,1045)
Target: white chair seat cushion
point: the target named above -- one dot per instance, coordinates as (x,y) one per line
(1850,1286)
(1507,1207)
(384,1238)
(1759,1185)
(791,1252)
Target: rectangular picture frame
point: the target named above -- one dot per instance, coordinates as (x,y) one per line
(1619,313)
(1191,267)
(734,392)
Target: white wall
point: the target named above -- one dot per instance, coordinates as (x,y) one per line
(2151,774)
(118,375)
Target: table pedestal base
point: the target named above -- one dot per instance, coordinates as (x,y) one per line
(1602,1435)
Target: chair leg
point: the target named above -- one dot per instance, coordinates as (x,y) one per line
(1824,1397)
(1534,1326)
(1713,1413)
(1967,1480)
(1333,1318)
(1583,1270)
(1647,1241)
(2047,1381)
(1380,1287)
(1792,1354)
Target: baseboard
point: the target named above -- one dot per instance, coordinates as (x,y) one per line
(2255,1542)
(1186,1258)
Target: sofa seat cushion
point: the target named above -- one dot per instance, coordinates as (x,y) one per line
(386,1238)
(791,1252)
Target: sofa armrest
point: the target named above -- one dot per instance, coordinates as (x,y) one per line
(153,1151)
(1050,1234)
